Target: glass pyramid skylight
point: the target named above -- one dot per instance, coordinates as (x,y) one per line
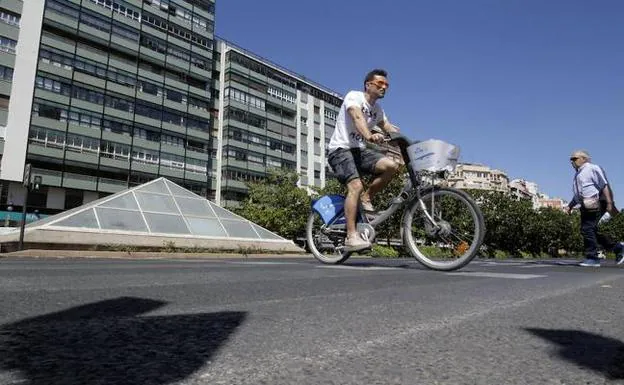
(159,207)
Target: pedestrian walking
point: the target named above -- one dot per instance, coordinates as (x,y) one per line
(593,194)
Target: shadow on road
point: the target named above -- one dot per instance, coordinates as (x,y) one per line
(382,263)
(109,343)
(593,351)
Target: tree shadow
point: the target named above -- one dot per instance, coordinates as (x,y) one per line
(593,351)
(108,342)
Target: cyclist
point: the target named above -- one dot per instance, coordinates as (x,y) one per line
(350,158)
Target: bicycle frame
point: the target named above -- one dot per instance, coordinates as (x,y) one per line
(411,192)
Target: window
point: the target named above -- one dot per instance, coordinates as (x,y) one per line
(84,118)
(4,102)
(7,45)
(46,137)
(114,150)
(175,96)
(120,9)
(281,94)
(245,117)
(64,8)
(52,85)
(149,88)
(119,103)
(117,126)
(9,17)
(88,95)
(245,98)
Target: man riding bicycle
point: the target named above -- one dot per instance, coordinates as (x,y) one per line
(349,157)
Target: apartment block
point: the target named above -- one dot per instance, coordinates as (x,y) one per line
(480,177)
(269,117)
(102,95)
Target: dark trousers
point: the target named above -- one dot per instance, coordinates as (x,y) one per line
(591,236)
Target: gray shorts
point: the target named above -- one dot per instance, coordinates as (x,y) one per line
(352,163)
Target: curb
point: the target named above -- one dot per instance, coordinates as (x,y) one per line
(60,254)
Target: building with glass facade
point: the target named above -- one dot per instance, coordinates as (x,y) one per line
(103,95)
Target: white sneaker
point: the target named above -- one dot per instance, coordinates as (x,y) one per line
(356,244)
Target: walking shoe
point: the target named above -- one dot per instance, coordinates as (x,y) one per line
(590,262)
(356,244)
(619,253)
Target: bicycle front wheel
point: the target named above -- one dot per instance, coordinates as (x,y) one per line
(454,237)
(326,244)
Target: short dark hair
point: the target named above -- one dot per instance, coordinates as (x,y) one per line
(376,72)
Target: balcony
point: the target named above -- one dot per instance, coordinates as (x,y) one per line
(51,96)
(90,80)
(60,21)
(48,123)
(111,185)
(101,37)
(48,177)
(79,181)
(64,45)
(78,154)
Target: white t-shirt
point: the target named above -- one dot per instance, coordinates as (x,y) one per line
(345,134)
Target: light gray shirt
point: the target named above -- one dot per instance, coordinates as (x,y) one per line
(588,181)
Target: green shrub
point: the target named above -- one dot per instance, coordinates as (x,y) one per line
(384,252)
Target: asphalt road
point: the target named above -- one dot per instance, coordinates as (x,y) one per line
(295,321)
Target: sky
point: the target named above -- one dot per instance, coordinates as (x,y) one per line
(517,84)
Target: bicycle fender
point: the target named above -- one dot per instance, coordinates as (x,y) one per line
(329,206)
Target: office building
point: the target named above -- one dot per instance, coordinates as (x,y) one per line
(269,117)
(102,95)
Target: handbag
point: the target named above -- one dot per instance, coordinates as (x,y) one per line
(591,203)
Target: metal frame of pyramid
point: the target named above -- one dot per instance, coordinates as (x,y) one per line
(151,215)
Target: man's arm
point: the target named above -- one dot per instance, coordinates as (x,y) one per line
(571,205)
(606,191)
(388,127)
(360,124)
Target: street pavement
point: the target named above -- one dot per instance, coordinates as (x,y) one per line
(296,321)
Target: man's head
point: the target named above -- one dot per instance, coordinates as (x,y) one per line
(376,83)
(579,158)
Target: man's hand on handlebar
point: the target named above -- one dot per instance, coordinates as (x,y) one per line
(376,138)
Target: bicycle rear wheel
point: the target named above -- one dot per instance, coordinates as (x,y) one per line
(325,243)
(457,236)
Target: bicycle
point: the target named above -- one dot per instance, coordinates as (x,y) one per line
(436,220)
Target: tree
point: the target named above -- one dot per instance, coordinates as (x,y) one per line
(278,204)
(506,220)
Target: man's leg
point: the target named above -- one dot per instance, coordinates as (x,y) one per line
(343,163)
(589,227)
(384,171)
(354,189)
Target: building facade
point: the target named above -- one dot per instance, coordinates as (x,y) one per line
(555,203)
(480,177)
(102,95)
(268,117)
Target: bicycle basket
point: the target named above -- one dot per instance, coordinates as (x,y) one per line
(433,155)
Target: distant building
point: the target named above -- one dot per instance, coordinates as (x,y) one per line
(522,189)
(480,177)
(555,203)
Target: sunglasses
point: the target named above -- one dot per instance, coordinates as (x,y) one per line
(574,158)
(381,83)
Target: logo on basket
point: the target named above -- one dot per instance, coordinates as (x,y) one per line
(424,156)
